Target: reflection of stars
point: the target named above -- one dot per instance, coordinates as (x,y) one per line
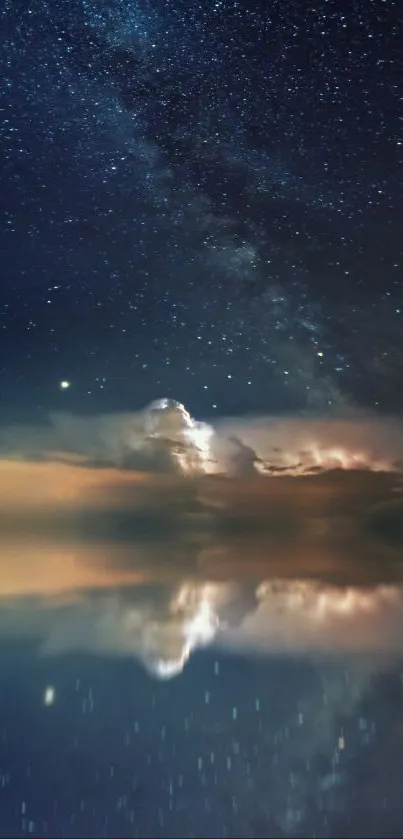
(49,696)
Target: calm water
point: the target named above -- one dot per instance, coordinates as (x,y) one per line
(220,658)
(201,676)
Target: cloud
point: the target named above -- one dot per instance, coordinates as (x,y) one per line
(307,486)
(162,438)
(200,524)
(165,438)
(348,439)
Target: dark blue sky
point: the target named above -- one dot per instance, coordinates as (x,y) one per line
(199,200)
(196,200)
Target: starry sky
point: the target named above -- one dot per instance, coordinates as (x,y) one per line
(201,201)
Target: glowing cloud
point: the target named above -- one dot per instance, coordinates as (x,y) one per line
(165,438)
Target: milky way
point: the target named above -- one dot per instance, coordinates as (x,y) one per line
(201,199)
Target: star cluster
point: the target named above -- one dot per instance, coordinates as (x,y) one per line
(201,201)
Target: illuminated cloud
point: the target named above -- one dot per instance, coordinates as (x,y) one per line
(109,502)
(164,438)
(306,443)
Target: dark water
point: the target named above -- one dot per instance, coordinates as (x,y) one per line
(234,746)
(186,708)
(185,672)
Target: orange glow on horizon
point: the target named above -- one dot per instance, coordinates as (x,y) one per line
(32,485)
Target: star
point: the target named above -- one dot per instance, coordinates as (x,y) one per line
(259,241)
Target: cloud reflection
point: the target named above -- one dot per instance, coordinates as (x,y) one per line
(161,625)
(153,534)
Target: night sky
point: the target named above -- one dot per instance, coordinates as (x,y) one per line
(201,201)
